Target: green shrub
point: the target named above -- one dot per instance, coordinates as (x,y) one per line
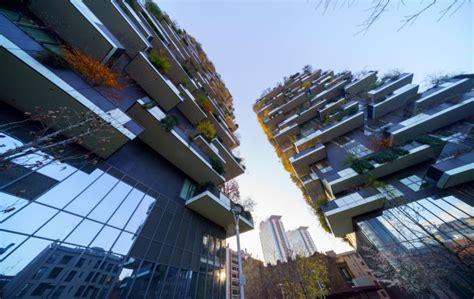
(169,122)
(385,156)
(154,9)
(399,151)
(217,166)
(160,61)
(205,103)
(430,140)
(362,166)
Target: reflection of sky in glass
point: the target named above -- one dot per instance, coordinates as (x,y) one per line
(415,224)
(97,195)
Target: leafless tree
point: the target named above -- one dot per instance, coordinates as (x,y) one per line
(377,8)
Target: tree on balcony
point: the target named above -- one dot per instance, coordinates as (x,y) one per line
(160,61)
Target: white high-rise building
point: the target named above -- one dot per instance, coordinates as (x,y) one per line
(301,242)
(274,241)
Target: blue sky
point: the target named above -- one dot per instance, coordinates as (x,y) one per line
(254,44)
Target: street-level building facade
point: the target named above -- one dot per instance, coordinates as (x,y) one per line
(116,136)
(385,164)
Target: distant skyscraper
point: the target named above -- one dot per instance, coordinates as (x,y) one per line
(274,241)
(301,242)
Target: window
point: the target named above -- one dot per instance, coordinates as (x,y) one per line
(79,291)
(55,272)
(188,190)
(53,259)
(57,292)
(66,259)
(41,289)
(40,272)
(70,276)
(81,262)
(97,264)
(89,276)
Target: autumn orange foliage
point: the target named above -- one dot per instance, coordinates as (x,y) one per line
(376,144)
(91,69)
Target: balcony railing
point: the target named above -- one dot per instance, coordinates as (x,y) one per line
(448,90)
(176,146)
(117,20)
(349,178)
(345,125)
(79,27)
(398,100)
(215,206)
(390,86)
(161,89)
(424,123)
(52,92)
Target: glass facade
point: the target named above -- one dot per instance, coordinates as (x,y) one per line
(90,230)
(437,231)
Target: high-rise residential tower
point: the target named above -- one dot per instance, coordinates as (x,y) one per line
(386,166)
(301,242)
(116,139)
(274,241)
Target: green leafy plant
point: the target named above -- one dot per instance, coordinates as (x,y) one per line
(168,122)
(154,9)
(349,159)
(160,61)
(430,140)
(362,166)
(207,129)
(217,166)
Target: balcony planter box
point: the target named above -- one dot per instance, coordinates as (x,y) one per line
(153,82)
(340,212)
(423,123)
(216,207)
(286,133)
(190,108)
(302,160)
(78,26)
(361,84)
(449,90)
(327,134)
(398,100)
(175,145)
(353,179)
(390,87)
(33,85)
(233,167)
(120,24)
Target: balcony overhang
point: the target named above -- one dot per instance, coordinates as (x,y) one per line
(340,218)
(78,26)
(218,210)
(309,156)
(224,134)
(233,168)
(120,24)
(32,85)
(190,108)
(153,82)
(175,146)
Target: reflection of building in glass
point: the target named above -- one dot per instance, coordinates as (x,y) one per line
(129,155)
(301,242)
(383,165)
(274,241)
(60,271)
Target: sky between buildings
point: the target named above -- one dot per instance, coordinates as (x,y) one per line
(254,44)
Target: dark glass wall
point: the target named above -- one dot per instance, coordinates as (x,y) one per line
(116,228)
